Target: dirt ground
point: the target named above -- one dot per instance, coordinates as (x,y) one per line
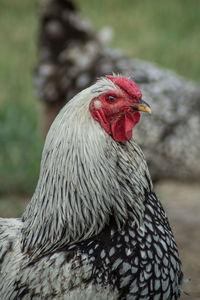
(182,205)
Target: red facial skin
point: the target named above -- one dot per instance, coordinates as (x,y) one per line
(117,116)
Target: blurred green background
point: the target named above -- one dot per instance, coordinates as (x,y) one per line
(159,31)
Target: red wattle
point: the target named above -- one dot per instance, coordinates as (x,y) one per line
(121,129)
(119,126)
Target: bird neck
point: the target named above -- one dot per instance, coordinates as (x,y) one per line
(85,178)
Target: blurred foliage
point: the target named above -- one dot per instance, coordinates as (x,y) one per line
(12,206)
(20,141)
(160,31)
(20,148)
(166,32)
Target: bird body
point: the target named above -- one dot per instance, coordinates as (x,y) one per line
(94,228)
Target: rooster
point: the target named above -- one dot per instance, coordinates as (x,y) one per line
(94,228)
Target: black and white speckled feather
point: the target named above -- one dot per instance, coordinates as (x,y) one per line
(94,228)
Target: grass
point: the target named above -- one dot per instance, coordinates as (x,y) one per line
(166,32)
(20,142)
(160,31)
(20,148)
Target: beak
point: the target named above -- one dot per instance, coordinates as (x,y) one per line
(143,106)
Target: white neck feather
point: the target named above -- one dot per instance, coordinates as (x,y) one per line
(85,178)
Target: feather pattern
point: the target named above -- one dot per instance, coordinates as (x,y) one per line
(78,188)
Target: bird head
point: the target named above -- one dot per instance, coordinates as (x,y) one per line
(118,109)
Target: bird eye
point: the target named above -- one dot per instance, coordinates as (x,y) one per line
(111,98)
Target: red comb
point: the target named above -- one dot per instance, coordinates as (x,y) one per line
(127,85)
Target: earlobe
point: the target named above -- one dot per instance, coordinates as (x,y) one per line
(97,103)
